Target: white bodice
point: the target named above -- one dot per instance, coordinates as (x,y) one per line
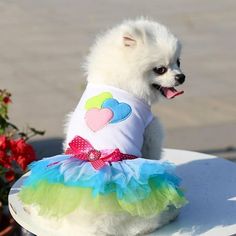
(110,118)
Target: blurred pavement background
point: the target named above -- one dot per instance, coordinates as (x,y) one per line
(43,44)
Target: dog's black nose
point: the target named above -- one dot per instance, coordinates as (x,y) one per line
(180,78)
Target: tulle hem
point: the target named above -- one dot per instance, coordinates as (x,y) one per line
(140,187)
(58,200)
(129,179)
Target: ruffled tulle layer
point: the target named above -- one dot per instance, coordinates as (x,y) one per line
(140,187)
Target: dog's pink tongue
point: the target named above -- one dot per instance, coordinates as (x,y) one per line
(171,92)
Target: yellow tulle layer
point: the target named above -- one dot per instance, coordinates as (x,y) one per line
(58,200)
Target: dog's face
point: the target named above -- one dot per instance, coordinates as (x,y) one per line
(164,74)
(142,57)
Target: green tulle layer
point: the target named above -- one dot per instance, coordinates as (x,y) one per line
(58,200)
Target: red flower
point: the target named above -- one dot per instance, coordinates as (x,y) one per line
(3,143)
(22,152)
(6,100)
(4,160)
(21,146)
(25,149)
(23,162)
(13,147)
(10,175)
(2,155)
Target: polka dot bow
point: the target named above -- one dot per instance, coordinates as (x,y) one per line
(82,149)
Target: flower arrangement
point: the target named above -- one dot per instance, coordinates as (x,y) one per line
(15,152)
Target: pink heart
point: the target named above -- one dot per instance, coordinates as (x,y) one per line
(96,118)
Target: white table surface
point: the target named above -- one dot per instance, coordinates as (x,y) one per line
(210,185)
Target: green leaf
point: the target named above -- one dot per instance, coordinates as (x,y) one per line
(22,134)
(3,125)
(12,125)
(39,132)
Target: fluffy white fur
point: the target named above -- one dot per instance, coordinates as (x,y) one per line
(124,57)
(130,67)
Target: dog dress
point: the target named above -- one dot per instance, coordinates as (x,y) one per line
(102,169)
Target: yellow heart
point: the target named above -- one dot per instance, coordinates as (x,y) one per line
(97,101)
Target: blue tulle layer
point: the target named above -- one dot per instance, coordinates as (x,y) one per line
(129,179)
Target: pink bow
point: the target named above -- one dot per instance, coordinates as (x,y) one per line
(83,150)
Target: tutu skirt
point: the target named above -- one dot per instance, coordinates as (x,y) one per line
(62,184)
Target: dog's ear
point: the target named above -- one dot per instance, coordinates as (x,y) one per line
(132,37)
(129,41)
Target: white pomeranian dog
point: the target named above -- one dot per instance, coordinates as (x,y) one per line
(141,57)
(109,181)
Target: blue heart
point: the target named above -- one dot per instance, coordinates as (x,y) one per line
(121,110)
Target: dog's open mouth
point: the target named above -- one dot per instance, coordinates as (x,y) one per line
(168,92)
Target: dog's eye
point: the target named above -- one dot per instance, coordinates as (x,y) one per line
(178,62)
(160,71)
